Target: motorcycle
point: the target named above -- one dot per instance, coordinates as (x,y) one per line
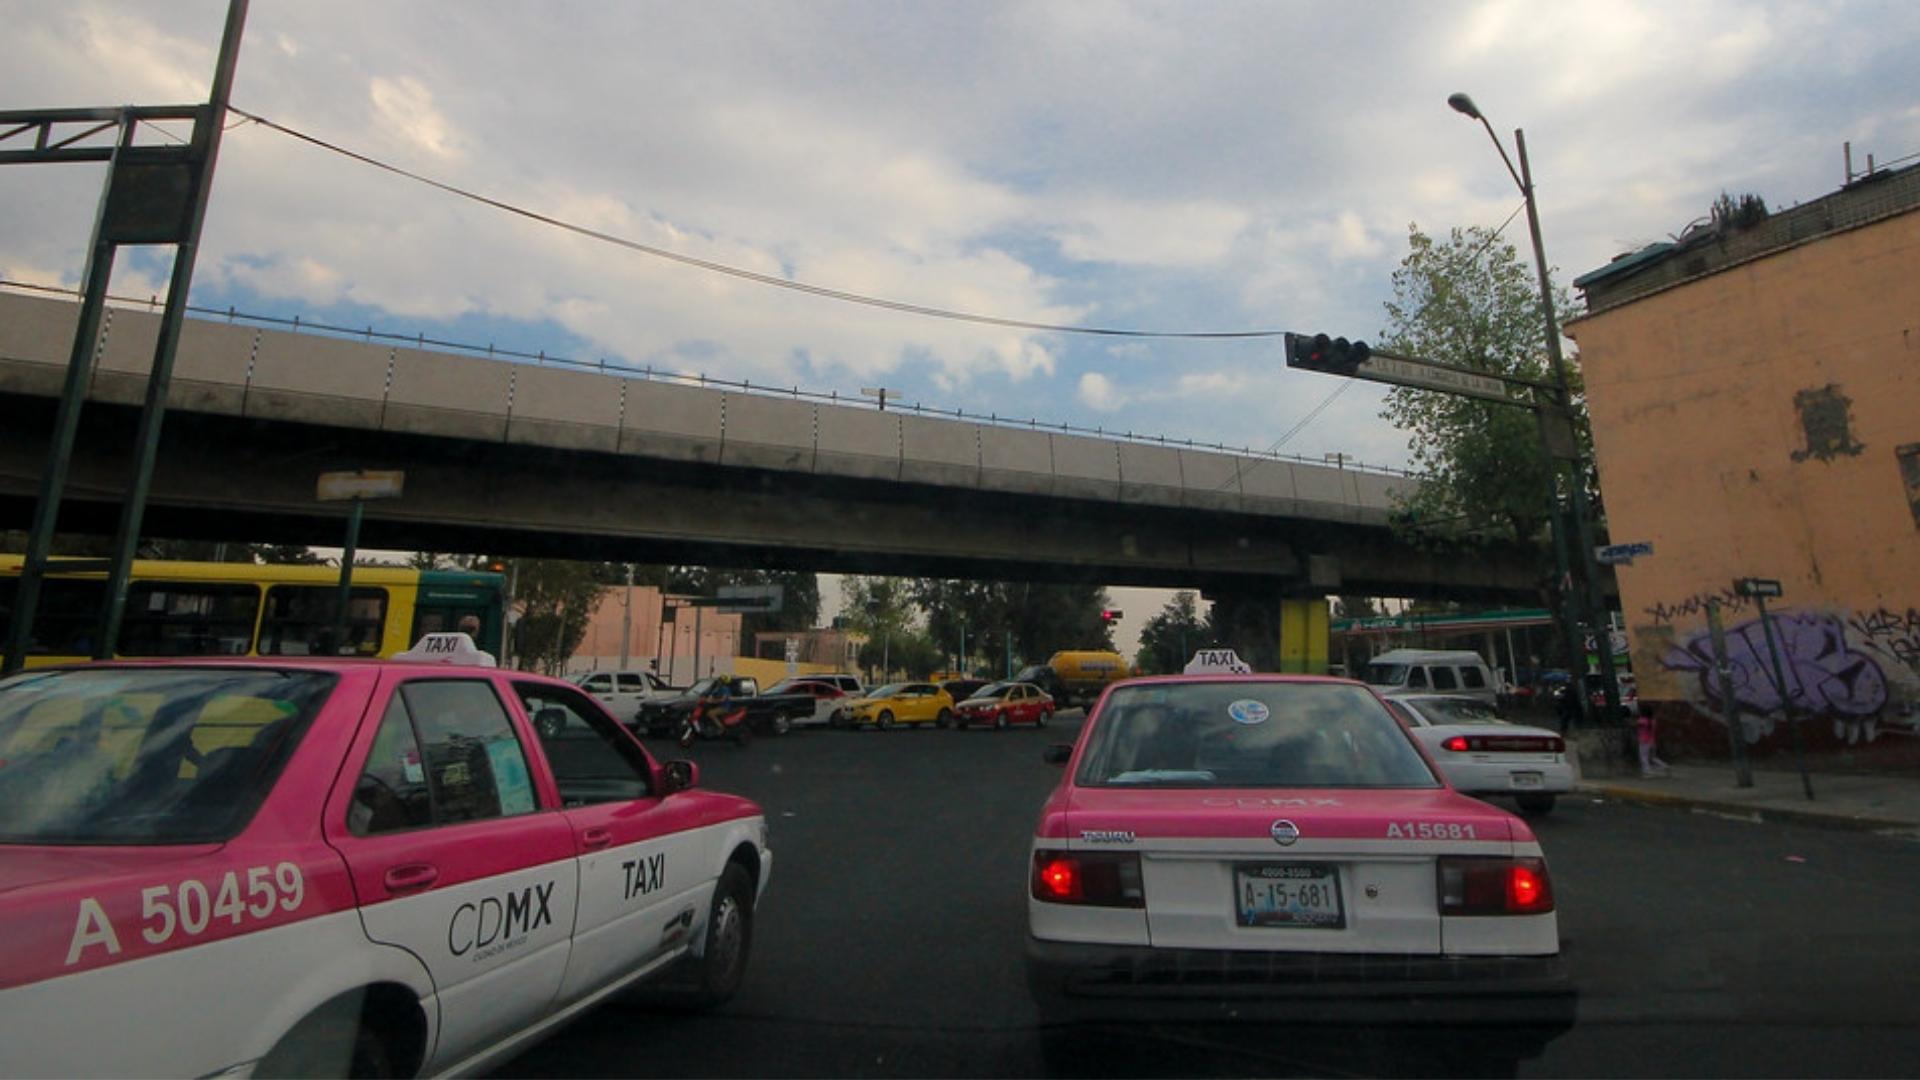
(715,719)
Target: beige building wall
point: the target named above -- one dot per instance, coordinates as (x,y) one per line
(1764,421)
(674,645)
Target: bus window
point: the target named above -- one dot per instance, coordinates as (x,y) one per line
(188,618)
(449,601)
(65,619)
(299,622)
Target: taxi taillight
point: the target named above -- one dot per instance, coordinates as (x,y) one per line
(1531,744)
(1494,886)
(1098,879)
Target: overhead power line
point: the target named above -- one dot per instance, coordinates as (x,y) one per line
(745,274)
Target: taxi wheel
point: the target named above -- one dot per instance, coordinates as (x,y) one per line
(945,719)
(729,939)
(782,723)
(330,1037)
(1535,804)
(1040,718)
(886,720)
(1000,721)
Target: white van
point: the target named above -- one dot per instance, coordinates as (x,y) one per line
(1458,672)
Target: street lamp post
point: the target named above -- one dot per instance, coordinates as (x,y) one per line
(1595,601)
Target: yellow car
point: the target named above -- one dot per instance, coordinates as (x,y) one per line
(887,707)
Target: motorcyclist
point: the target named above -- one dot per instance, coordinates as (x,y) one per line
(714,713)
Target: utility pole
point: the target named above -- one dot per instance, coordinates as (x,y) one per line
(626,619)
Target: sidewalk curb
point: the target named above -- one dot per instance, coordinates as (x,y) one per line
(1827,819)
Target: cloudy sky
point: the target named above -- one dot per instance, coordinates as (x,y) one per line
(1157,166)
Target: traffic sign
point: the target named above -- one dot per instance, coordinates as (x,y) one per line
(742,599)
(1753,586)
(360,484)
(1424,376)
(1622,554)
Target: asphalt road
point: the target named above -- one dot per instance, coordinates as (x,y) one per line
(890,940)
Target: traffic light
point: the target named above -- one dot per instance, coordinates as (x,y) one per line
(1111,615)
(1318,352)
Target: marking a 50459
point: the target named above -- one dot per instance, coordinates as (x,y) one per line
(191,906)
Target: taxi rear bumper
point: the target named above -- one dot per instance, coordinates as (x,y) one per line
(1076,981)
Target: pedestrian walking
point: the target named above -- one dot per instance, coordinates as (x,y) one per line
(1650,763)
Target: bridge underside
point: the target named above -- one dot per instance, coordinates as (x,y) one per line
(222,477)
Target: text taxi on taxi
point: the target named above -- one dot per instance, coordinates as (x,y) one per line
(331,867)
(1233,847)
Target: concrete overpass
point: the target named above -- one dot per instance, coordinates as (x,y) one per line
(557,460)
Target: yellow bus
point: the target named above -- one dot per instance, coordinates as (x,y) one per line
(239,609)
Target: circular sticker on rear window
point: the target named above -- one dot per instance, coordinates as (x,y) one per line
(1248,711)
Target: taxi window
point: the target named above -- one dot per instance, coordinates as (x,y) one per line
(475,765)
(1443,679)
(1471,678)
(593,761)
(630,683)
(391,793)
(1250,734)
(145,756)
(597,683)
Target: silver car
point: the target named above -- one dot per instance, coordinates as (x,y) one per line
(1481,754)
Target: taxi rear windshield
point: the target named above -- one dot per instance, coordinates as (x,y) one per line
(135,756)
(1250,735)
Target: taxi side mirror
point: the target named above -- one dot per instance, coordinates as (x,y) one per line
(1057,753)
(678,775)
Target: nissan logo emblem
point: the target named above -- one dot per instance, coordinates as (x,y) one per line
(1285,832)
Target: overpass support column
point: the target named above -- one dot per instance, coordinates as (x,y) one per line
(1304,635)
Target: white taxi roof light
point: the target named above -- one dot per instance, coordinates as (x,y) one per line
(455,649)
(1217,662)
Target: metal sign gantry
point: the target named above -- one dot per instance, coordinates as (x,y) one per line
(152,195)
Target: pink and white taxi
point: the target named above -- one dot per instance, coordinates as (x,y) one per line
(342,867)
(1238,847)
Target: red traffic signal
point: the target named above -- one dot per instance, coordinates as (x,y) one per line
(1318,352)
(1111,614)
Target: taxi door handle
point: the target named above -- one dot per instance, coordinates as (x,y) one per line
(411,877)
(595,839)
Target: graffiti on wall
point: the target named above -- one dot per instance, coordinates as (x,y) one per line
(1695,606)
(1898,634)
(1859,673)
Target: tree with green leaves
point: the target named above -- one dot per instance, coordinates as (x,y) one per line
(882,609)
(1355,607)
(1169,639)
(554,598)
(1469,301)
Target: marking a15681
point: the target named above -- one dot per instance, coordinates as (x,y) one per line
(645,875)
(1429,830)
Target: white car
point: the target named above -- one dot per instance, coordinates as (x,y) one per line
(623,692)
(1481,754)
(1275,850)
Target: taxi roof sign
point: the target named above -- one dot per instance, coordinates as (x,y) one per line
(455,649)
(1217,662)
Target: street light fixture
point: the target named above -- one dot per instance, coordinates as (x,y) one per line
(1582,518)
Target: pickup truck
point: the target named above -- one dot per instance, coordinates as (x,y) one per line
(768,713)
(623,691)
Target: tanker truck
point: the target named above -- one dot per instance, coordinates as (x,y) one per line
(1076,678)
